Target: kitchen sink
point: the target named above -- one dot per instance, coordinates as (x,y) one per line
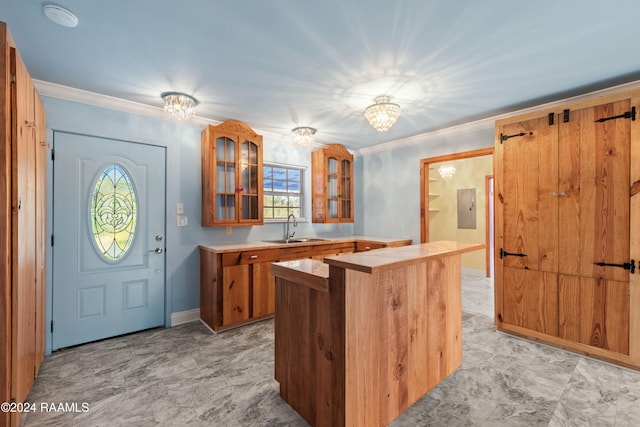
(297,240)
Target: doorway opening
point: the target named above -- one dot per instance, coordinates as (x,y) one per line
(457,204)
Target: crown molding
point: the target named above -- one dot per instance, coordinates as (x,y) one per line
(489,123)
(67,93)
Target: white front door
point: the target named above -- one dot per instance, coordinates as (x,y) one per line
(108,238)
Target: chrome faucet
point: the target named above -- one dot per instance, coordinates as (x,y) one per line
(295,224)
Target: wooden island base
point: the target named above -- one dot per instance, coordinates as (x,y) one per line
(361,337)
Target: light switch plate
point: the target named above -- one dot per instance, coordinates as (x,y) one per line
(182,221)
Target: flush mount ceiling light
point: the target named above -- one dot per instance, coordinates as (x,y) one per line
(383,114)
(60,15)
(447,171)
(179,105)
(304,135)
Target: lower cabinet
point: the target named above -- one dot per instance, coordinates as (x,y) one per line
(238,288)
(594,312)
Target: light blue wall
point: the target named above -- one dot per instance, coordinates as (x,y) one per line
(388,181)
(182,142)
(387,187)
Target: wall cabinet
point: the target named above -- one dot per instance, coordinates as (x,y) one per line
(237,287)
(22,228)
(231,175)
(332,184)
(567,182)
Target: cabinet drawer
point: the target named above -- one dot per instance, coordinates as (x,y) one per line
(368,246)
(250,257)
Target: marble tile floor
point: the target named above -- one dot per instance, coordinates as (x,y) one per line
(187,376)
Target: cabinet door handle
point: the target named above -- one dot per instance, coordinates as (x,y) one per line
(367,247)
(254,257)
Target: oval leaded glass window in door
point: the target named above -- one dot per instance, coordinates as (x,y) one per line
(113,213)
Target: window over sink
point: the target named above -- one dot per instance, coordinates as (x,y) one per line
(283,191)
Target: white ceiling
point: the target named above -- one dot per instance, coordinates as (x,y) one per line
(278,64)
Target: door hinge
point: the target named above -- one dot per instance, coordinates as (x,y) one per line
(627,115)
(51,326)
(505,137)
(504,253)
(631,265)
(566,114)
(12,79)
(551,118)
(52,240)
(53,154)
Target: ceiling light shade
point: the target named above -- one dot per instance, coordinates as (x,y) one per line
(179,105)
(383,114)
(60,15)
(447,171)
(304,135)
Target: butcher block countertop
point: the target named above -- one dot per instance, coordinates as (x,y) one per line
(316,274)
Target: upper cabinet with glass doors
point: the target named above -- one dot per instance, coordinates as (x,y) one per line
(231,175)
(332,184)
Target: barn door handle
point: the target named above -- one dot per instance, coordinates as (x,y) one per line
(631,266)
(504,253)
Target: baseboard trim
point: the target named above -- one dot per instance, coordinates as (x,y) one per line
(187,316)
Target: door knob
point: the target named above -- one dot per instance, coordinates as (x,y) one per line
(157,250)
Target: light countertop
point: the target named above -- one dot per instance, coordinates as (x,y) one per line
(253,245)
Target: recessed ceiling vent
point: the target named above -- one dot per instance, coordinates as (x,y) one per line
(60,15)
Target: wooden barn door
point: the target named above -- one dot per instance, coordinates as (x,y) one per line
(528,257)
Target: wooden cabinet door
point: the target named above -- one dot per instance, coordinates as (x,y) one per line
(235,294)
(232,175)
(24,268)
(594,312)
(332,184)
(264,288)
(529,186)
(594,202)
(531,300)
(529,225)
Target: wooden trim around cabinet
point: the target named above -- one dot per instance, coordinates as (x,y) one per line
(634,238)
(487,218)
(5,224)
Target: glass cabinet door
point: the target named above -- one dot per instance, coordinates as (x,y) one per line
(345,189)
(231,175)
(225,179)
(249,176)
(332,187)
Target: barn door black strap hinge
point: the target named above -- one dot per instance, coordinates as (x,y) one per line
(551,118)
(628,115)
(566,115)
(504,253)
(505,137)
(631,266)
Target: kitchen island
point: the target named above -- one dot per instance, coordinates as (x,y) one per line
(360,337)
